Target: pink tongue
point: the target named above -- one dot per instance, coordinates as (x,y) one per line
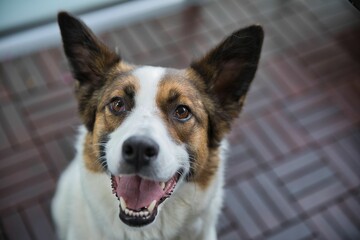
(138,192)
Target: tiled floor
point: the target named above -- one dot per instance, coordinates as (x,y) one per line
(294,170)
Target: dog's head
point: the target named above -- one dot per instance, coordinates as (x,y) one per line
(151,128)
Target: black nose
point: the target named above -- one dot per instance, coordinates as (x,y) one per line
(139,151)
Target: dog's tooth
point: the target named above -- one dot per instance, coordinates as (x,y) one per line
(131,213)
(162,184)
(122,203)
(151,206)
(142,214)
(126,211)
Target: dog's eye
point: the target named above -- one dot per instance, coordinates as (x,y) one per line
(117,106)
(182,113)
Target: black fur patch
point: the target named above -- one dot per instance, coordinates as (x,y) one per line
(192,159)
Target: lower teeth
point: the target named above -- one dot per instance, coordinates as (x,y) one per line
(144,214)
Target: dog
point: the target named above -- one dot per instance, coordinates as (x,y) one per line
(151,150)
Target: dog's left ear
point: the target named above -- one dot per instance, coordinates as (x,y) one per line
(229,68)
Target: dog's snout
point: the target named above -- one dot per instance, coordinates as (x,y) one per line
(139,151)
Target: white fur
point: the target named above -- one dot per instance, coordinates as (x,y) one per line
(85,208)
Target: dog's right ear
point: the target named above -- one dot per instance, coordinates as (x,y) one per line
(89,57)
(90,60)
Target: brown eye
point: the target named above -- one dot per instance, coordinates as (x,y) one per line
(117,106)
(182,113)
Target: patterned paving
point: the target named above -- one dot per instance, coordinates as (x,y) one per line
(293,172)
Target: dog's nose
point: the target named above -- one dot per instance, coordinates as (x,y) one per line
(139,151)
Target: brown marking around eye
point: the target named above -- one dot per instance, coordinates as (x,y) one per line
(123,84)
(176,90)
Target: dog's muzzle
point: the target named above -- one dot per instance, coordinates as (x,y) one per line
(140,196)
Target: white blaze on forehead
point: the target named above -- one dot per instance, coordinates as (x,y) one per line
(144,116)
(145,120)
(149,78)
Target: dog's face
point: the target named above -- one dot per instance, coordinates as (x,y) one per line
(151,128)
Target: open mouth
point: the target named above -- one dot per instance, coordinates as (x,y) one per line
(139,198)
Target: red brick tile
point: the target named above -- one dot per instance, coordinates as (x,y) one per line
(11,181)
(16,123)
(59,154)
(18,156)
(351,207)
(345,225)
(324,228)
(239,165)
(51,71)
(39,222)
(297,164)
(327,60)
(335,222)
(14,227)
(234,12)
(186,28)
(4,139)
(347,40)
(244,219)
(334,15)
(52,111)
(261,209)
(276,196)
(30,192)
(259,98)
(128,45)
(173,20)
(273,134)
(297,231)
(24,176)
(169,57)
(343,156)
(322,196)
(224,223)
(286,76)
(117,43)
(313,111)
(4,90)
(218,13)
(255,137)
(229,236)
(34,76)
(156,33)
(12,73)
(310,182)
(347,95)
(136,36)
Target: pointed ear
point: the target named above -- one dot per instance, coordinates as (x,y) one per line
(89,58)
(229,68)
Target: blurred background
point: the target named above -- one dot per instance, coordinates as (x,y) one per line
(294,167)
